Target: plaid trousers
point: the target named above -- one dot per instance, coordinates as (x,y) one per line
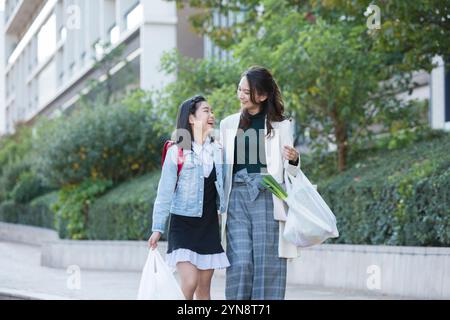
(256,271)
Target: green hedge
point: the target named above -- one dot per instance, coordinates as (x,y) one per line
(14,148)
(401,197)
(37,213)
(124,213)
(113,143)
(28,188)
(10,178)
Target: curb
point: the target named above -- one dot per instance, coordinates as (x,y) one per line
(14,294)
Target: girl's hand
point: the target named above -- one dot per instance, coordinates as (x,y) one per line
(153,241)
(290,154)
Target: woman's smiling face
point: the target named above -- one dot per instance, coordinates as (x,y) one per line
(244,96)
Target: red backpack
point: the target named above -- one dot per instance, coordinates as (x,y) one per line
(166,147)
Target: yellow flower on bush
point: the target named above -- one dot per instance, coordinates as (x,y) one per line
(135,166)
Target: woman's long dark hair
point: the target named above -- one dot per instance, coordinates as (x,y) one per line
(261,81)
(187,108)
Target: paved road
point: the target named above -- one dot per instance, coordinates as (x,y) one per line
(22,275)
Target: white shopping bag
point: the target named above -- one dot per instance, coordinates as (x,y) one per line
(158,281)
(310,221)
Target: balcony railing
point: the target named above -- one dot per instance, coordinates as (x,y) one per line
(19,14)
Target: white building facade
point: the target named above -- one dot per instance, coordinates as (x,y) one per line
(49,47)
(2,69)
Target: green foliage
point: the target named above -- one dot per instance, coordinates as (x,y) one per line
(125,212)
(106,142)
(411,32)
(337,77)
(215,80)
(28,187)
(15,147)
(331,77)
(400,197)
(73,207)
(204,20)
(36,214)
(47,199)
(113,86)
(11,177)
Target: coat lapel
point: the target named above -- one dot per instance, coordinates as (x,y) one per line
(231,130)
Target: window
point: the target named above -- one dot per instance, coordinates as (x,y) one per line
(47,82)
(47,39)
(114,34)
(72,67)
(135,17)
(83,57)
(63,34)
(98,48)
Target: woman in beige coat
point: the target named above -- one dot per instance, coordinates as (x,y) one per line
(257,141)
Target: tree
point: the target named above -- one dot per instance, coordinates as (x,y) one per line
(412,32)
(101,91)
(333,82)
(216,80)
(336,79)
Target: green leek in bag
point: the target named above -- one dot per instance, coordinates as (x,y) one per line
(273,186)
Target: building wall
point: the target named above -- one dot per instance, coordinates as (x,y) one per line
(45,76)
(2,74)
(438,117)
(158,35)
(189,43)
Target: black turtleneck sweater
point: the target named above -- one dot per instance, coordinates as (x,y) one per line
(249,147)
(252,145)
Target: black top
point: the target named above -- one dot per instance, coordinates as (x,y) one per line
(201,235)
(249,146)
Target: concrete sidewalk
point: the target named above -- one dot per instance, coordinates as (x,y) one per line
(22,277)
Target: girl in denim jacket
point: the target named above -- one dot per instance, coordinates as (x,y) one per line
(193,200)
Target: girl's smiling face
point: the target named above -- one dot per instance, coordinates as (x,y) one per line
(203,119)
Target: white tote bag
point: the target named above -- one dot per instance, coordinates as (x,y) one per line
(158,281)
(310,221)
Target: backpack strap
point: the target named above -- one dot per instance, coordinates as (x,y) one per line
(180,161)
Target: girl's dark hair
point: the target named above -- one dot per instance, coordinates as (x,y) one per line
(261,81)
(187,108)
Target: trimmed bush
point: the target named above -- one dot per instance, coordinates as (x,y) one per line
(73,206)
(28,188)
(14,148)
(106,142)
(38,213)
(42,206)
(125,213)
(401,197)
(10,178)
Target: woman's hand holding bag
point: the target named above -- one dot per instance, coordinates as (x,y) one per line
(310,221)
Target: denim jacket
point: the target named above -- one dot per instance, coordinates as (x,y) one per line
(187,199)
